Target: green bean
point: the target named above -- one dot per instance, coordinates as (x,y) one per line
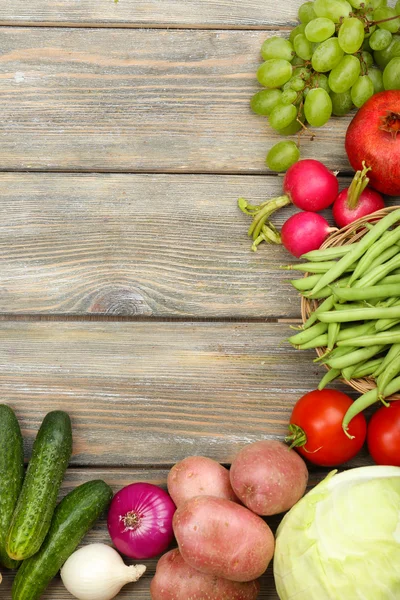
(387,242)
(328,377)
(373,291)
(318,342)
(385,256)
(329,253)
(392,353)
(305,283)
(353,358)
(366,242)
(366,400)
(390,302)
(359,314)
(350,305)
(308,334)
(350,333)
(367,368)
(377,273)
(394,278)
(383,337)
(333,332)
(391,371)
(310,267)
(326,305)
(347,372)
(328,289)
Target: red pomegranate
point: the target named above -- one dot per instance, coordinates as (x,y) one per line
(372,136)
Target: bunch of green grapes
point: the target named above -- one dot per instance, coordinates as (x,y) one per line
(340,54)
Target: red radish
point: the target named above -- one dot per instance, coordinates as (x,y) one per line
(305,231)
(308,184)
(356,201)
(372,137)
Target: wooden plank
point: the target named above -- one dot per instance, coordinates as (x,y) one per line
(149,13)
(142,100)
(141,245)
(150,393)
(117,479)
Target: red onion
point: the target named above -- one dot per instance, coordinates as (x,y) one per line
(140,520)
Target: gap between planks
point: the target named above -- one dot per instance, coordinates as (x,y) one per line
(163,26)
(102,318)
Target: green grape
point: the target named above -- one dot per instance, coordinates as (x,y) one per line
(377,79)
(382,57)
(264,101)
(351,35)
(345,74)
(274,73)
(302,46)
(319,29)
(365,45)
(289,97)
(391,75)
(282,115)
(297,61)
(282,156)
(357,3)
(317,107)
(377,3)
(380,39)
(386,12)
(341,103)
(306,12)
(276,47)
(362,90)
(299,29)
(366,58)
(332,9)
(291,129)
(367,35)
(297,83)
(327,55)
(320,80)
(397,7)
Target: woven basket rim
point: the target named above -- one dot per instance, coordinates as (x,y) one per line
(347,235)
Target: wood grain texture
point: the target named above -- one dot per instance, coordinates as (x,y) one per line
(139,245)
(140,100)
(149,13)
(152,393)
(117,479)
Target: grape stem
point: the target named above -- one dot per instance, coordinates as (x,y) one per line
(357,186)
(384,20)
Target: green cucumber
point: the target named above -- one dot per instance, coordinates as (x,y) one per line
(72,519)
(32,516)
(11,476)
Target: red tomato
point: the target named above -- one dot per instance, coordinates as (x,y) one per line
(319,416)
(383,437)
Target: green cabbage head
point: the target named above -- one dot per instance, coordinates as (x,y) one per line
(342,540)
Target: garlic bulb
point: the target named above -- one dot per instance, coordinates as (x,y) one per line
(97,572)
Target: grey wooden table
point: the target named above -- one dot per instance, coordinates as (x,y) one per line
(129,296)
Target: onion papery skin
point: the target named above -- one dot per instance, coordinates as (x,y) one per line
(140,520)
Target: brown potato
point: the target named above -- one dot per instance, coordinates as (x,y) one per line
(199,476)
(176,580)
(268,477)
(222,538)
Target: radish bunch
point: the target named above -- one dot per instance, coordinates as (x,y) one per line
(312,187)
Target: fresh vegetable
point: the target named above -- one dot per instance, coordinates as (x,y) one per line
(72,519)
(304,231)
(307,184)
(223,539)
(356,201)
(316,428)
(383,437)
(199,476)
(268,477)
(32,516)
(176,580)
(11,475)
(334,541)
(372,137)
(97,572)
(140,520)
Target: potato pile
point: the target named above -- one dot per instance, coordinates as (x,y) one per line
(224,544)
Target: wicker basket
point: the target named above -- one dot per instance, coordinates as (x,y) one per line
(348,235)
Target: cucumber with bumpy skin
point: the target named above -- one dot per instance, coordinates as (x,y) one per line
(11,476)
(73,518)
(32,516)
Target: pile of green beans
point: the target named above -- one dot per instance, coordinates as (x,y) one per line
(357,318)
